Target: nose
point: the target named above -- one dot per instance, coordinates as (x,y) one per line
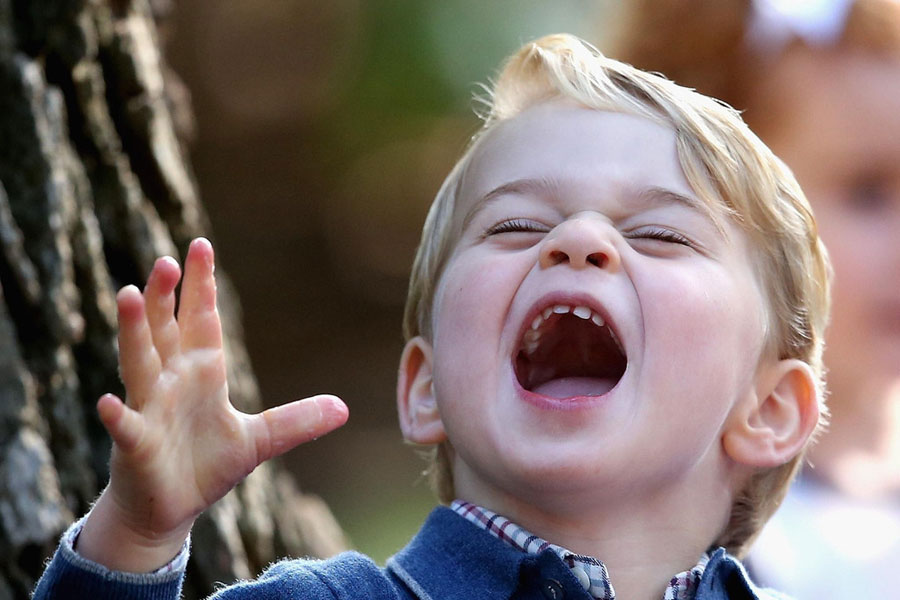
(580,242)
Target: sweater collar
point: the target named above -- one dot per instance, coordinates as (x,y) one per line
(449,550)
(448,543)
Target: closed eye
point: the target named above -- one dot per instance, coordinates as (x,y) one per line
(661,234)
(516,226)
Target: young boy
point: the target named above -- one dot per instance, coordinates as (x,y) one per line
(615,331)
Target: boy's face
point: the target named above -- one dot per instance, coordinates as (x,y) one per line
(649,320)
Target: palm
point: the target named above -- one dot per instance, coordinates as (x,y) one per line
(194,447)
(179,444)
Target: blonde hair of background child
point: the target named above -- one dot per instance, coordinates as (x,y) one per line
(729,168)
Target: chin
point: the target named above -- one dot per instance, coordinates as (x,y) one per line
(552,468)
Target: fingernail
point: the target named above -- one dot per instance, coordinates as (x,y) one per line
(335,407)
(127,290)
(166,259)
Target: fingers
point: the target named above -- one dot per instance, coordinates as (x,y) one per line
(149,335)
(281,428)
(197,315)
(139,363)
(124,425)
(159,302)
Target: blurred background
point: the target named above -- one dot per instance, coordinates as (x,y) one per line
(322,132)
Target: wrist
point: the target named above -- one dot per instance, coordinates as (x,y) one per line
(107,538)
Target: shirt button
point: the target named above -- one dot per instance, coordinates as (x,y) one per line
(583,578)
(552,589)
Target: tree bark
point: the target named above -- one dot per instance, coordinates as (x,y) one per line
(94,185)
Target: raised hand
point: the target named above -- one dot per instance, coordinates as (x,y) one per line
(179,445)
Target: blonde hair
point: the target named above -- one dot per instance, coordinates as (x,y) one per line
(726,165)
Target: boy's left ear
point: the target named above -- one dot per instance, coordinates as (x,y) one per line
(772,424)
(420,420)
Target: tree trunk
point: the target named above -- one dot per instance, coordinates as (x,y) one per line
(94,184)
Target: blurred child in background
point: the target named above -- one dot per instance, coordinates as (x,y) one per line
(819,81)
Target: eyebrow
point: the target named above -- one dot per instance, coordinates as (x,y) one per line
(538,187)
(655,195)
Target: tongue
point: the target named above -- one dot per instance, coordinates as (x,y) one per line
(571,387)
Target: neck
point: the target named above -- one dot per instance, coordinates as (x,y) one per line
(643,540)
(860,453)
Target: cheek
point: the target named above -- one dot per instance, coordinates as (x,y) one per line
(852,282)
(696,310)
(461,298)
(862,241)
(852,246)
(710,330)
(473,296)
(860,252)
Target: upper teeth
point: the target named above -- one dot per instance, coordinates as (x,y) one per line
(533,336)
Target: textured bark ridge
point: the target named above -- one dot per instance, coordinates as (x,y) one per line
(94,184)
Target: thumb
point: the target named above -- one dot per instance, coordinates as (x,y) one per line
(284,427)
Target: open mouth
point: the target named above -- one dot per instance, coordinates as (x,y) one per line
(567,352)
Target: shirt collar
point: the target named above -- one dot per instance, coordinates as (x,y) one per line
(589,571)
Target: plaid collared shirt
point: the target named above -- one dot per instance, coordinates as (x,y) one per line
(588,570)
